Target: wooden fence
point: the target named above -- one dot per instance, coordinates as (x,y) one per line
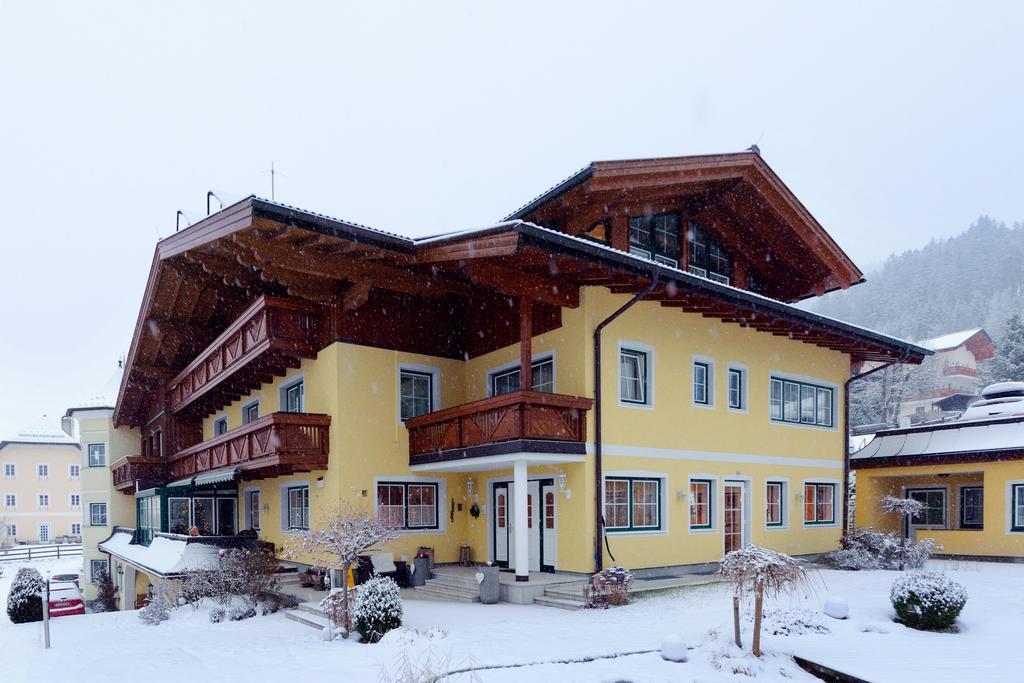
(22,553)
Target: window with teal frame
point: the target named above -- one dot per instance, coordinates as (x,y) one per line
(1018,508)
(632,504)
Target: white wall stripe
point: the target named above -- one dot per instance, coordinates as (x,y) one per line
(675,454)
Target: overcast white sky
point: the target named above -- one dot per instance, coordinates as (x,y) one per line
(893,122)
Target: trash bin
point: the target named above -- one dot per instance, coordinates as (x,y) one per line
(489,586)
(421,571)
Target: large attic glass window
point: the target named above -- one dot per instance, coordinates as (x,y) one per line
(655,238)
(708,258)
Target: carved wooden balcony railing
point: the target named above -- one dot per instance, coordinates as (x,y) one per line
(520,415)
(144,470)
(273,445)
(964,370)
(272,335)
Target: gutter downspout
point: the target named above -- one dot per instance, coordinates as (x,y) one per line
(846,433)
(598,470)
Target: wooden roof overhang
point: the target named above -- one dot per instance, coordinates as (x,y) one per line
(555,257)
(204,278)
(458,293)
(738,196)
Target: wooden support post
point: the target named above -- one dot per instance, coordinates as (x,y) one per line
(525,343)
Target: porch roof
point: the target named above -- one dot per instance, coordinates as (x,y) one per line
(167,555)
(951,442)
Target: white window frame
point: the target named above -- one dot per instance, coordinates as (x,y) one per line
(283,393)
(88,454)
(906,490)
(435,385)
(636,347)
(537,359)
(248,405)
(75,500)
(744,376)
(714,507)
(12,530)
(74,470)
(93,574)
(92,517)
(49,536)
(221,419)
(39,501)
(248,507)
(74,531)
(283,504)
(10,469)
(42,470)
(709,388)
(10,500)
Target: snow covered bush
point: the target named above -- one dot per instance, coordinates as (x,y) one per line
(24,603)
(153,613)
(378,608)
(217,615)
(240,612)
(106,593)
(251,574)
(609,587)
(927,600)
(867,548)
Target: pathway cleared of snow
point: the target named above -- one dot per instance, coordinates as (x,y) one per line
(455,636)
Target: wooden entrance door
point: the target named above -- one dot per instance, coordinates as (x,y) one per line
(733,516)
(502,511)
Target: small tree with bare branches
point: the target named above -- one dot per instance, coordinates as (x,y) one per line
(762,572)
(340,536)
(906,508)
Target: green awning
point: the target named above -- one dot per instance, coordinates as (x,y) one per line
(212,477)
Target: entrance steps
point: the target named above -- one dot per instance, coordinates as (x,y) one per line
(452,587)
(308,614)
(563,596)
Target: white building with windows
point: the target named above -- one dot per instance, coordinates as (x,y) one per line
(40,486)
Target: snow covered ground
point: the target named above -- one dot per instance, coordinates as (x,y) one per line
(454,636)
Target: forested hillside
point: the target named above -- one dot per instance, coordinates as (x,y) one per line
(975,279)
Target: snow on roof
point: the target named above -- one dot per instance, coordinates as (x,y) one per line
(43,430)
(949,341)
(167,555)
(949,438)
(106,397)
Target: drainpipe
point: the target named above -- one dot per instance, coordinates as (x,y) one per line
(598,470)
(846,433)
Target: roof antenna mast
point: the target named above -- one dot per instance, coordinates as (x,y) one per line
(754,148)
(273,174)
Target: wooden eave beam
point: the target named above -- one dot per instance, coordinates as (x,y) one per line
(519,284)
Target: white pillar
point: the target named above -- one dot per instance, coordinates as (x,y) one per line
(520,490)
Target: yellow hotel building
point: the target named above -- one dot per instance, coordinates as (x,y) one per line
(615,370)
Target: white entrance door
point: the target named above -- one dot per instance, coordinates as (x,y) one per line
(504,525)
(734,516)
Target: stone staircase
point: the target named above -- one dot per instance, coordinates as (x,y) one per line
(308,614)
(563,596)
(451,587)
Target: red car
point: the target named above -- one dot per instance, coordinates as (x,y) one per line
(65,599)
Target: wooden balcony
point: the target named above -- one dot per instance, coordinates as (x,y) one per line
(540,421)
(963,370)
(272,335)
(136,472)
(273,445)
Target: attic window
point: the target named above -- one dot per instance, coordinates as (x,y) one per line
(655,238)
(708,258)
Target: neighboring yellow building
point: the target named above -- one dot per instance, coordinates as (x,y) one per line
(40,486)
(969,475)
(90,425)
(679,405)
